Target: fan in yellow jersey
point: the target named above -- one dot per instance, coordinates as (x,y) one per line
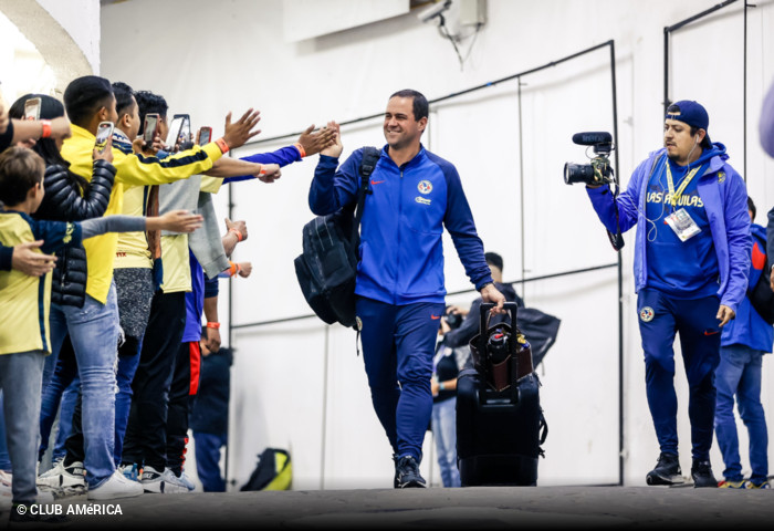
(24,301)
(89,100)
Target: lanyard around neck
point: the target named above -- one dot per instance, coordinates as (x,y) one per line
(675,195)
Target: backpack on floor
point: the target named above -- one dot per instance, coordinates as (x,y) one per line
(273,472)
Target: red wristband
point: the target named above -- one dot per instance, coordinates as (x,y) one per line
(300,149)
(46,128)
(216,326)
(222,145)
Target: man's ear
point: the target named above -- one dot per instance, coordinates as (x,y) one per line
(422,124)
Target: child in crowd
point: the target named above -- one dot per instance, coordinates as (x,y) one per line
(25,302)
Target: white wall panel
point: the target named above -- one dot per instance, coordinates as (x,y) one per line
(243,62)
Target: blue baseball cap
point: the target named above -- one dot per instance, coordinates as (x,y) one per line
(691,113)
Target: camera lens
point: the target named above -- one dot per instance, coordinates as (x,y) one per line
(578,173)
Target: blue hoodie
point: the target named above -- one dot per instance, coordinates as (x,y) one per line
(401,246)
(724,196)
(749,328)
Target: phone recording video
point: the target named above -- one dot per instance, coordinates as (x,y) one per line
(104,133)
(185,131)
(150,128)
(32,109)
(173,137)
(204,136)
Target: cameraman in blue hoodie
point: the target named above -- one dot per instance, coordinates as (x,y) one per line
(691,263)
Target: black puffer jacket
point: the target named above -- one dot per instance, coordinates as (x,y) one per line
(63,202)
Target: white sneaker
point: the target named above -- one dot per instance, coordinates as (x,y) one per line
(183,479)
(63,477)
(6,495)
(117,486)
(162,482)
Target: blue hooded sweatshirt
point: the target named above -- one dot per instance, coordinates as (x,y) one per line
(724,196)
(749,328)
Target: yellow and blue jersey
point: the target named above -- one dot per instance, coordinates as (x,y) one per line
(25,300)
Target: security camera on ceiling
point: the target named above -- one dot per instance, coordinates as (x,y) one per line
(434,11)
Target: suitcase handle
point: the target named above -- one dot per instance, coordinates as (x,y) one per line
(485,315)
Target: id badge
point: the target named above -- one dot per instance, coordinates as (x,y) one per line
(683,224)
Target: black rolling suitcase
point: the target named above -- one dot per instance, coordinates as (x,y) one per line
(500,424)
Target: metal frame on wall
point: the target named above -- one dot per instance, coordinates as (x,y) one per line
(618,264)
(669,30)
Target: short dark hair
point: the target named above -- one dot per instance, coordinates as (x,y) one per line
(420,106)
(50,108)
(150,103)
(494,259)
(85,96)
(20,170)
(751,207)
(124,98)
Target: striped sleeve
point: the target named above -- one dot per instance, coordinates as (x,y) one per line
(140,170)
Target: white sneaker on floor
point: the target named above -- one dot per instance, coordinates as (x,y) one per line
(117,486)
(63,477)
(183,479)
(161,482)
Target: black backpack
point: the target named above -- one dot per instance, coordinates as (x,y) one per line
(761,297)
(327,268)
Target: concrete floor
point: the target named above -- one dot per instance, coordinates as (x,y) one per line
(471,508)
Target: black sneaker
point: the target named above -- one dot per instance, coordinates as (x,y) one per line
(667,471)
(407,474)
(701,472)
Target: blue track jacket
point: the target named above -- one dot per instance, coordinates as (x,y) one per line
(401,248)
(724,195)
(749,328)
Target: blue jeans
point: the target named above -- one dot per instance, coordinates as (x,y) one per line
(62,388)
(444,421)
(208,447)
(739,373)
(127,366)
(5,459)
(94,333)
(20,379)
(398,347)
(661,318)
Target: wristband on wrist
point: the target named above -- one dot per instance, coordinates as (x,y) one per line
(234,269)
(441,386)
(216,326)
(300,149)
(222,145)
(46,124)
(237,232)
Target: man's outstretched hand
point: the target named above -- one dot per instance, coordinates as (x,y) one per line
(315,142)
(238,133)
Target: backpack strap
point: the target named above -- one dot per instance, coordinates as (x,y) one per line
(367,165)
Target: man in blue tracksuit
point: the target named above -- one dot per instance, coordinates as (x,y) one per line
(691,262)
(743,343)
(413,194)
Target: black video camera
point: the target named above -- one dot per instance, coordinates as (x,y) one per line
(599,171)
(454,320)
